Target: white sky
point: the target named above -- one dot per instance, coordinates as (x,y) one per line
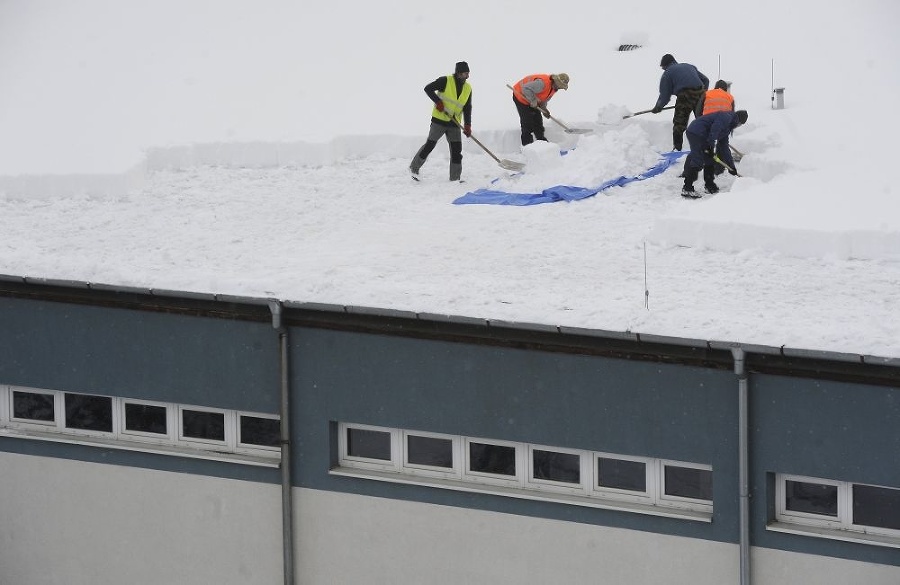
(260,148)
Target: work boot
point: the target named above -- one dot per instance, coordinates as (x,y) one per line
(416,165)
(688,192)
(455,171)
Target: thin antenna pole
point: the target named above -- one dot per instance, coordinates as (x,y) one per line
(646,290)
(773,84)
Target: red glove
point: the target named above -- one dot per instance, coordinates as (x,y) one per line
(439,106)
(467,130)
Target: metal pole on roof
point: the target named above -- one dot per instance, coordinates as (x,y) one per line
(773,84)
(646,290)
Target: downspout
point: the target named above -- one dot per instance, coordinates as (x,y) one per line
(743,462)
(287,503)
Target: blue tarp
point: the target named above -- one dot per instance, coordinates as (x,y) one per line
(563,192)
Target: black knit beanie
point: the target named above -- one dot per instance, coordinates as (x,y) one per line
(462,67)
(666,60)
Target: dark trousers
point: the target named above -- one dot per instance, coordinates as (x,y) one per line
(531,122)
(697,159)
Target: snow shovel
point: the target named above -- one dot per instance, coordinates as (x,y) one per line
(509,165)
(736,154)
(644,112)
(726,165)
(564,127)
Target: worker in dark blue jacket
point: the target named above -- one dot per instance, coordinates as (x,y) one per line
(688,85)
(708,136)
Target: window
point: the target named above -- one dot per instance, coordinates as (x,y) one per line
(687,482)
(203,425)
(431,454)
(33,406)
(259,431)
(555,468)
(369,447)
(492,461)
(628,476)
(837,509)
(85,412)
(146,419)
(572,476)
(876,507)
(142,425)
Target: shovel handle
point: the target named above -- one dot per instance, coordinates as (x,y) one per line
(644,112)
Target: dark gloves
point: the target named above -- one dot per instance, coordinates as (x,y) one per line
(439,106)
(467,130)
(656,109)
(733,172)
(708,151)
(546,112)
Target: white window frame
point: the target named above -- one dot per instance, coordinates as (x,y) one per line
(844,519)
(24,423)
(429,470)
(228,422)
(647,497)
(844,503)
(171,423)
(5,404)
(174,443)
(249,447)
(114,415)
(518,480)
(393,464)
(890,532)
(522,485)
(584,472)
(664,499)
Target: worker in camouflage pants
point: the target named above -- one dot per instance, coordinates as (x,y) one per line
(688,85)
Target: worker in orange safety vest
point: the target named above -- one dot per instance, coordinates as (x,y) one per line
(531,95)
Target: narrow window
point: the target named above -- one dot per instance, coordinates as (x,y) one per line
(621,474)
(429,451)
(688,482)
(260,431)
(555,466)
(368,444)
(876,506)
(146,418)
(494,459)
(811,498)
(202,424)
(89,413)
(33,406)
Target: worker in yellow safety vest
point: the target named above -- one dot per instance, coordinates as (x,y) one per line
(452,98)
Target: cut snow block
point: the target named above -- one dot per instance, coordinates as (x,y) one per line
(541,155)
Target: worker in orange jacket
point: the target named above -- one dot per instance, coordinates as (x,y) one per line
(717,99)
(531,95)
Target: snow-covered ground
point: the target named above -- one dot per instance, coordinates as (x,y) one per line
(262,150)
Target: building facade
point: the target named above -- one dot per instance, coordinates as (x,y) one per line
(166,437)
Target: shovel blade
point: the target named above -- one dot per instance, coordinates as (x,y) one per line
(579,130)
(511,165)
